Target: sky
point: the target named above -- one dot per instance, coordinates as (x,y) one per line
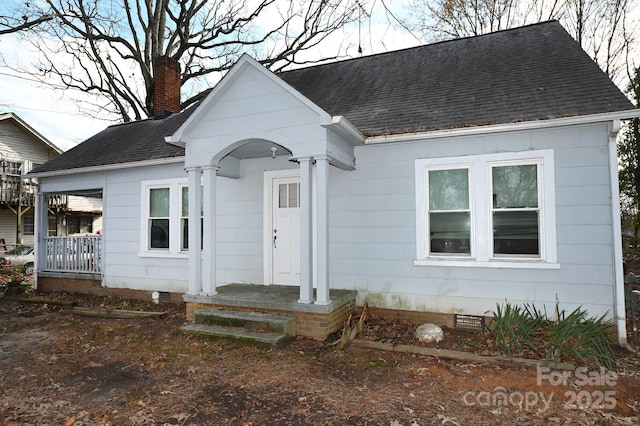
(56,116)
(51,113)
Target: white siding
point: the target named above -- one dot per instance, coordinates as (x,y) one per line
(373,230)
(373,241)
(85,204)
(18,145)
(256,107)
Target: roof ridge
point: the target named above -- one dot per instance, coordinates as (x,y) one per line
(421,46)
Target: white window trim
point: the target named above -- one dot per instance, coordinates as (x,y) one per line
(175,205)
(181,186)
(480,193)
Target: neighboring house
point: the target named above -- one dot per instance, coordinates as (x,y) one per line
(21,149)
(446,178)
(83,216)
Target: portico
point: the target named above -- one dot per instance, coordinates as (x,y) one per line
(249,116)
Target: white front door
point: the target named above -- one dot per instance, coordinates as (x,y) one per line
(285,230)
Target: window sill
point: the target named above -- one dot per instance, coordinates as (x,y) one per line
(164,254)
(512,264)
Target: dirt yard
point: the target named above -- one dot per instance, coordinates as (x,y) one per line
(57,368)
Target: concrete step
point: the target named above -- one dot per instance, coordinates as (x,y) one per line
(251,321)
(235,333)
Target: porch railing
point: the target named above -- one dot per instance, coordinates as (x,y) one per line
(78,253)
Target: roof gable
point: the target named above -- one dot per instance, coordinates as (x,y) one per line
(30,131)
(243,86)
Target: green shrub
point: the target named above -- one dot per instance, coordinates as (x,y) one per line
(12,284)
(526,331)
(575,337)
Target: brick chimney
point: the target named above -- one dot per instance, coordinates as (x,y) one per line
(166,89)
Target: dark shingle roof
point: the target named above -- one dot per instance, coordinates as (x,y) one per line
(122,143)
(530,73)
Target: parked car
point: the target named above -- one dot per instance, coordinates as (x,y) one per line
(21,257)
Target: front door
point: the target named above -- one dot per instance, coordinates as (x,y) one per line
(285,230)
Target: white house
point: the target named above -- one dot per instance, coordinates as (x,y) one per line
(21,149)
(445,178)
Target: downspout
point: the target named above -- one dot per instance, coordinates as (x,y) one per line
(619,303)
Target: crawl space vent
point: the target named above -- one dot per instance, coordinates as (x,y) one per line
(165,297)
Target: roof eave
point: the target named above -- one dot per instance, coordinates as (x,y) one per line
(106,167)
(343,127)
(506,127)
(31,130)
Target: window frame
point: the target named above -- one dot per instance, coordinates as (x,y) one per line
(175,207)
(12,170)
(184,220)
(481,208)
(28,224)
(427,242)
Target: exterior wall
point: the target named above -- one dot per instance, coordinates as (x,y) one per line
(239,222)
(373,231)
(16,145)
(123,265)
(19,146)
(253,106)
(84,204)
(373,228)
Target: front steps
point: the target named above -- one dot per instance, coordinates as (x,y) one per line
(271,329)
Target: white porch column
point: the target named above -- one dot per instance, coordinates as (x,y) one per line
(322,229)
(306,232)
(209,230)
(195,256)
(41,225)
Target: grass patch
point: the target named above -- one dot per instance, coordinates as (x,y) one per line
(570,337)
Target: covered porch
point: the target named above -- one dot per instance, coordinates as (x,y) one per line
(252,114)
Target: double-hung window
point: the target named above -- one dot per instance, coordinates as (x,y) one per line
(449,211)
(515,210)
(184,218)
(486,210)
(159,221)
(165,218)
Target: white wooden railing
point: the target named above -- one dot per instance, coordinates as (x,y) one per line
(79,254)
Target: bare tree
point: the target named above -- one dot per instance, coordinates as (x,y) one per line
(464,18)
(107,48)
(629,162)
(12,23)
(603,28)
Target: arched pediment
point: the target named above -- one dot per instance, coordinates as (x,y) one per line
(250,108)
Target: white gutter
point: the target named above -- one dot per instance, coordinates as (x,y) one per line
(116,166)
(344,127)
(509,127)
(618,301)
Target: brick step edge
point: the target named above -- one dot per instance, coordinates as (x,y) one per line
(235,333)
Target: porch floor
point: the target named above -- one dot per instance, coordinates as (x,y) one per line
(272,297)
